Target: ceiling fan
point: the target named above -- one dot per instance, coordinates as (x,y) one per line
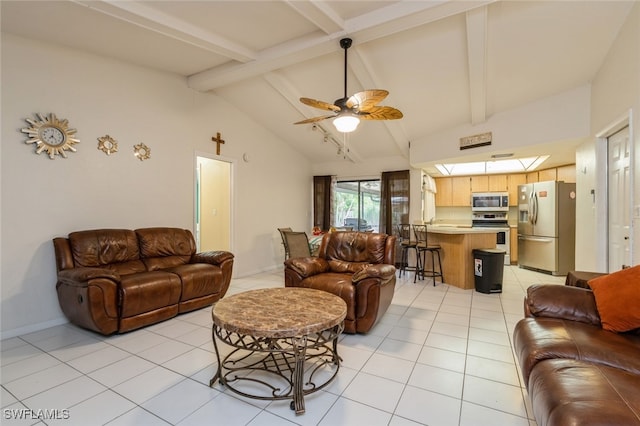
(348,111)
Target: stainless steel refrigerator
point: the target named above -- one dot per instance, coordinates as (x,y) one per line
(546,226)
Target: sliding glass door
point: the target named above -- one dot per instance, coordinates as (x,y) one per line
(357,204)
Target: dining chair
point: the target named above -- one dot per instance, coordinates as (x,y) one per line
(424,247)
(298,244)
(406,245)
(284,241)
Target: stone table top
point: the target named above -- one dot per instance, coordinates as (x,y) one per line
(279,312)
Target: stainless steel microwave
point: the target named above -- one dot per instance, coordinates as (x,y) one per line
(489,201)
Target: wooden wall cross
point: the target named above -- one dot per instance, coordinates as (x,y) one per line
(218,140)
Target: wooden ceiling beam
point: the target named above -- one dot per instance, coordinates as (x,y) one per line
(385,21)
(138,13)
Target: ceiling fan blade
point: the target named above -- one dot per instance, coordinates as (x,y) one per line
(381,113)
(320,104)
(365,100)
(315,119)
(362,104)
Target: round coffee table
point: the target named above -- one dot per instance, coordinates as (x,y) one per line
(283,342)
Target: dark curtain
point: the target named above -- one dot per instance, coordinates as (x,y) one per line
(394,200)
(322,202)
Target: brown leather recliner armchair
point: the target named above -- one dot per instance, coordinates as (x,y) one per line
(358,267)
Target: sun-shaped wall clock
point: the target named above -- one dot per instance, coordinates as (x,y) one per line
(107,144)
(51,135)
(142,151)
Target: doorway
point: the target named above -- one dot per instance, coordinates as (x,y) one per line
(213,204)
(619,199)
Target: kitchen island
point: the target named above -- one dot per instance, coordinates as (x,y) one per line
(457,244)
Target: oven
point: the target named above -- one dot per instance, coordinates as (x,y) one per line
(498,221)
(489,202)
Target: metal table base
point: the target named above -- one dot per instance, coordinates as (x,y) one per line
(283,368)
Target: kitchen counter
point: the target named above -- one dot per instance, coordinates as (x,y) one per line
(458,229)
(457,245)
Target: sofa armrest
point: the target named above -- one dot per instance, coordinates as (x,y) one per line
(211,257)
(220,258)
(382,271)
(82,276)
(581,278)
(563,302)
(90,298)
(307,266)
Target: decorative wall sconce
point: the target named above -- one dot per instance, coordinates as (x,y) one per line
(107,144)
(142,151)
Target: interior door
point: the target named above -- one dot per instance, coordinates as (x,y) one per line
(213,204)
(619,198)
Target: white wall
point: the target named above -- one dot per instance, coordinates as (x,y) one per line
(363,169)
(564,116)
(616,92)
(43,198)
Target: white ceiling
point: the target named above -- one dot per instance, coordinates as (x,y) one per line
(445,63)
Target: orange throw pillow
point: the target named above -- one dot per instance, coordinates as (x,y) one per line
(618,299)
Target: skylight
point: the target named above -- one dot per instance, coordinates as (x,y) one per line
(513,165)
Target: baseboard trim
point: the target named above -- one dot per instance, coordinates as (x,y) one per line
(41,326)
(259,271)
(31,328)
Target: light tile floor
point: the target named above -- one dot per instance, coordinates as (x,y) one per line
(439,356)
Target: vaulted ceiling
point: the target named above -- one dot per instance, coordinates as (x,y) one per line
(445,63)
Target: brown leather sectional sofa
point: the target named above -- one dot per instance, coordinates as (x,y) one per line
(118,280)
(358,267)
(576,372)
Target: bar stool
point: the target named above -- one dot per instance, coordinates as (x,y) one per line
(423,247)
(407,244)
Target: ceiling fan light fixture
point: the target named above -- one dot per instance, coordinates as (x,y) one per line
(346,111)
(346,123)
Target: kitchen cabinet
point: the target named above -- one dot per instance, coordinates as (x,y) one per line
(456,191)
(547,174)
(453,191)
(559,173)
(513,244)
(532,177)
(512,186)
(498,183)
(489,183)
(443,191)
(566,173)
(457,248)
(461,191)
(480,183)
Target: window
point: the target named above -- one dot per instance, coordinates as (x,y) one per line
(357,204)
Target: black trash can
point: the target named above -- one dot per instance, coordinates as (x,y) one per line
(488,268)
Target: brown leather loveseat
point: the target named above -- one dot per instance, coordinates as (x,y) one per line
(117,280)
(358,267)
(576,371)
